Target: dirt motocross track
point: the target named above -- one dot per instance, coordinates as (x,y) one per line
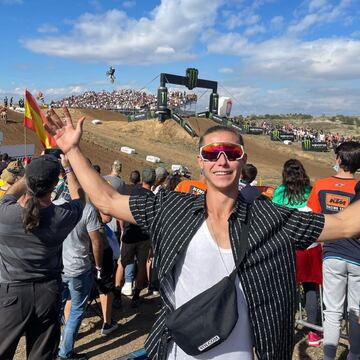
(101,143)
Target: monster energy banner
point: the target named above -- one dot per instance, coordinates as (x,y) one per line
(142,116)
(277,135)
(192,77)
(308,145)
(214,103)
(237,127)
(218,119)
(252,130)
(183,124)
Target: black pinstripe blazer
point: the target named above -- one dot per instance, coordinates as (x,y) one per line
(267,273)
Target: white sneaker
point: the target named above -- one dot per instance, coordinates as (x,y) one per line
(109,328)
(127,289)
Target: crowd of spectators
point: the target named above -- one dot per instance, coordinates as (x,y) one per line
(302,132)
(123,99)
(104,265)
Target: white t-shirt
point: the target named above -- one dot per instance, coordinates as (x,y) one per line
(201,267)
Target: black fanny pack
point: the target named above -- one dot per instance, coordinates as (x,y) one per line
(209,318)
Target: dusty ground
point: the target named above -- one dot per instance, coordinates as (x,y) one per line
(174,146)
(133,329)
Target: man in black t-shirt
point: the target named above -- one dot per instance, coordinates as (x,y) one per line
(135,242)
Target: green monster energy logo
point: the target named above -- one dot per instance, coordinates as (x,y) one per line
(215,100)
(192,77)
(246,127)
(163,97)
(307,144)
(276,134)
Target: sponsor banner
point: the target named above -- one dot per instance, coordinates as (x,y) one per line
(308,145)
(1,137)
(183,124)
(203,114)
(253,130)
(277,135)
(140,116)
(189,129)
(177,118)
(18,151)
(237,127)
(218,119)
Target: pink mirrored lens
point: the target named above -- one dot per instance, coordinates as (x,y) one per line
(212,152)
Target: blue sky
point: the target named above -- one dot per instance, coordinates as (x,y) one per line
(272,56)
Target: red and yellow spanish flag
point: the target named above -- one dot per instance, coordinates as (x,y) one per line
(34,119)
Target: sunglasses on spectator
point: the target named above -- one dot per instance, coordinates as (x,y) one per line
(212,152)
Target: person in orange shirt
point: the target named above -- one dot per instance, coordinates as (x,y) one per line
(341,259)
(195,187)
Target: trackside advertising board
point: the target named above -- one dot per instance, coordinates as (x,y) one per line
(252,130)
(308,145)
(278,135)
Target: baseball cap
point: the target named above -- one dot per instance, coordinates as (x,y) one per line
(161,172)
(44,169)
(148,175)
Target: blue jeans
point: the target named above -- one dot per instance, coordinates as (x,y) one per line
(78,289)
(130,272)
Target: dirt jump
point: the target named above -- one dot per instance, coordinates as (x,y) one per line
(168,141)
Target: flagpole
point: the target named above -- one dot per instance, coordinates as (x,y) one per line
(25,155)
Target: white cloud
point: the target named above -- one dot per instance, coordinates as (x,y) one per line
(252,100)
(317,4)
(65,91)
(253,30)
(321,12)
(128,4)
(277,22)
(226,70)
(164,50)
(47,28)
(116,38)
(290,58)
(243,18)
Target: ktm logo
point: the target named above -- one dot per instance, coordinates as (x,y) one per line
(339,201)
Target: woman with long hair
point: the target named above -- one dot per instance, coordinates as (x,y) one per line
(293,193)
(32,231)
(295,188)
